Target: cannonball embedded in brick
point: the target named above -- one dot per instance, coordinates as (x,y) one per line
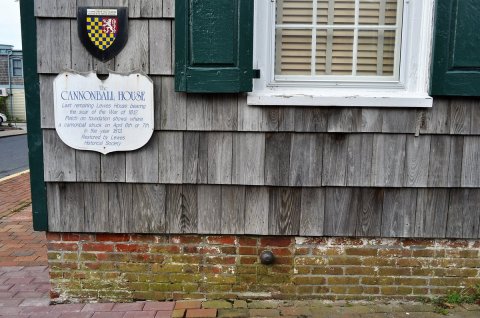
(267,257)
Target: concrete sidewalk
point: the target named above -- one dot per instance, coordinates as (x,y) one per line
(17,129)
(25,288)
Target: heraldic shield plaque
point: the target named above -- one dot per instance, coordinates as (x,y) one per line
(103,31)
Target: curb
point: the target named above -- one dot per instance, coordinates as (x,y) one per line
(14,175)
(12,133)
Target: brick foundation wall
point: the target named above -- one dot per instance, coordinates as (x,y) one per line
(133,267)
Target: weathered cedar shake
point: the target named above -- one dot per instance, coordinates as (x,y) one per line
(216,165)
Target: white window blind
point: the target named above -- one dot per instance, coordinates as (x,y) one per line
(337,38)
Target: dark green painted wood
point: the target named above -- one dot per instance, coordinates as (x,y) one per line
(213,46)
(456,62)
(32,99)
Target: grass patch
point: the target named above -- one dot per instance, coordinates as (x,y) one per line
(465,296)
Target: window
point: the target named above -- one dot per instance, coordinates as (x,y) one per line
(337,39)
(342,52)
(17,67)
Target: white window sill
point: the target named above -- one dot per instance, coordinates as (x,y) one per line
(334,97)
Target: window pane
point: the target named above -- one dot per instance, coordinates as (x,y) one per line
(294,11)
(379,12)
(17,68)
(376,51)
(343,37)
(344,11)
(342,53)
(388,52)
(293,52)
(321,52)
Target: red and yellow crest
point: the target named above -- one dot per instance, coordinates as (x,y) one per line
(103,31)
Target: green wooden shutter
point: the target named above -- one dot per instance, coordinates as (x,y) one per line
(213,46)
(456,58)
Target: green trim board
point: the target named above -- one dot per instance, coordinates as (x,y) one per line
(456,58)
(32,100)
(214,46)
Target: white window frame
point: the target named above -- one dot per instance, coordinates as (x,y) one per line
(410,90)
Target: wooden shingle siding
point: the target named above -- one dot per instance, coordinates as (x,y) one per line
(369,214)
(398,217)
(226,209)
(248,159)
(471,162)
(96,207)
(339,205)
(170,150)
(47,119)
(417,160)
(143,165)
(256,210)
(173,106)
(431,213)
(59,8)
(54,46)
(87,166)
(148,208)
(276,159)
(160,52)
(439,161)
(388,160)
(113,167)
(59,159)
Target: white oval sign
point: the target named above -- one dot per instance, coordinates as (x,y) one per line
(109,115)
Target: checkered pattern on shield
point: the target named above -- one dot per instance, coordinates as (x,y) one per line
(102,31)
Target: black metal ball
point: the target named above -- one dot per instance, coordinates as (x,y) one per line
(267,257)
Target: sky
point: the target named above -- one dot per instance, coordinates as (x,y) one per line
(10,23)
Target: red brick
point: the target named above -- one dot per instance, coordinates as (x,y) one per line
(302,250)
(187,304)
(142,238)
(109,237)
(231,250)
(347,241)
(186,239)
(210,250)
(221,260)
(416,242)
(191,249)
(62,247)
(246,260)
(456,243)
(70,237)
(53,236)
(279,241)
(166,249)
(247,241)
(221,239)
(201,313)
(132,247)
(281,251)
(247,251)
(313,241)
(100,247)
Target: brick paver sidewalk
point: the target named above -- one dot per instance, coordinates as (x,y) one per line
(14,193)
(19,244)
